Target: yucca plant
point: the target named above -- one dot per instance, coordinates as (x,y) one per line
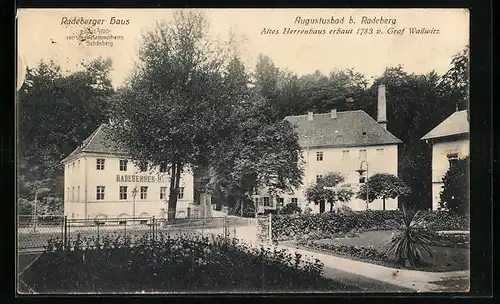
(412,241)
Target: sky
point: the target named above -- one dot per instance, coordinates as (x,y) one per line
(43,35)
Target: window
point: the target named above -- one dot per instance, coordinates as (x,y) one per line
(163,192)
(380,151)
(100,164)
(345,154)
(319,156)
(257,201)
(452,159)
(318,177)
(144,192)
(73,165)
(266,202)
(100,193)
(181,193)
(123,192)
(78,194)
(143,167)
(163,168)
(362,179)
(78,164)
(67,193)
(362,154)
(295,200)
(280,201)
(123,164)
(73,194)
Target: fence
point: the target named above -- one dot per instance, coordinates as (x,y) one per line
(35,233)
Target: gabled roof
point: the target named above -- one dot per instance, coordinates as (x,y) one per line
(348,129)
(95,143)
(455,124)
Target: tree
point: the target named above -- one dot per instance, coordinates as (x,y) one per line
(174,108)
(383,186)
(319,195)
(455,193)
(258,155)
(455,82)
(291,208)
(56,113)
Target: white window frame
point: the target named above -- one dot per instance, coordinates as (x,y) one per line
(100,191)
(163,193)
(180,195)
(144,192)
(319,156)
(362,154)
(345,154)
(123,195)
(267,201)
(100,163)
(123,165)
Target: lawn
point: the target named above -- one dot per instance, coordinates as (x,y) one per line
(370,247)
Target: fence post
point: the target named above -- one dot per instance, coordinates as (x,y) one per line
(270,228)
(65,232)
(154,228)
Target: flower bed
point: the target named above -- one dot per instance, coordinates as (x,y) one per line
(172,265)
(331,225)
(360,252)
(453,240)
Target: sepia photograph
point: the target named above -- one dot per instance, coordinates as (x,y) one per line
(185,151)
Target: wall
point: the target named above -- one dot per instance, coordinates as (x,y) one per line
(440,164)
(112,206)
(334,160)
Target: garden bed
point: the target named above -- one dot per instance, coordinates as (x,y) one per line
(173,265)
(370,247)
(332,225)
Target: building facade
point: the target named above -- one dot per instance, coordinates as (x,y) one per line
(450,142)
(100,182)
(342,142)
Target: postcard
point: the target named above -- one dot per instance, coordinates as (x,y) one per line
(179,151)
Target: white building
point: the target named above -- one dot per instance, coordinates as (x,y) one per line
(450,142)
(99,182)
(340,142)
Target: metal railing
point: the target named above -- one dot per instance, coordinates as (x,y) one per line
(35,233)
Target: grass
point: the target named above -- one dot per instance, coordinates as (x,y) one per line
(445,258)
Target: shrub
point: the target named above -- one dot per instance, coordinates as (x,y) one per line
(291,208)
(412,241)
(327,225)
(170,264)
(455,191)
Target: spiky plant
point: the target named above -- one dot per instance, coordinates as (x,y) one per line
(412,241)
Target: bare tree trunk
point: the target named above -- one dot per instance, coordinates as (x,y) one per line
(331,206)
(383,203)
(174,190)
(322,206)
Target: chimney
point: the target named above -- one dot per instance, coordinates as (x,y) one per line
(381,108)
(310,116)
(333,113)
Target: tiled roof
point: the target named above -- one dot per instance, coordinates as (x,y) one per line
(348,129)
(96,143)
(455,124)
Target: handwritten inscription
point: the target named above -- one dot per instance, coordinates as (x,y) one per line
(347,25)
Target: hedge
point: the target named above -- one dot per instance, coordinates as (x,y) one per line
(172,265)
(330,225)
